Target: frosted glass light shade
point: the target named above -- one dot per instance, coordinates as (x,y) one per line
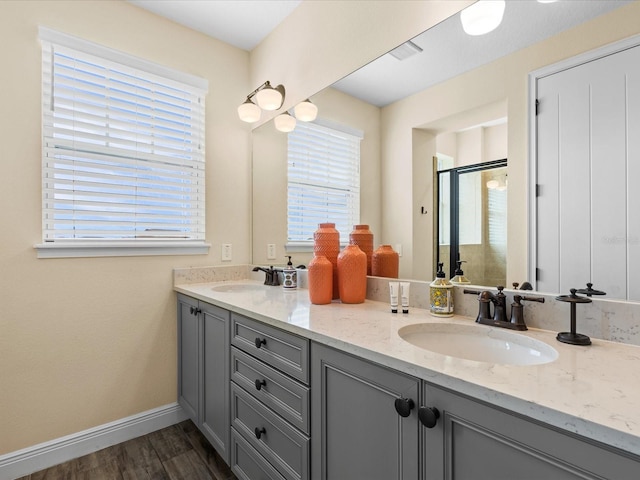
(249,112)
(482,17)
(269,98)
(306,111)
(491,184)
(285,122)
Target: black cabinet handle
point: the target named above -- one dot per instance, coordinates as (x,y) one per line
(428,416)
(195,310)
(191,310)
(260,384)
(259,432)
(404,406)
(260,341)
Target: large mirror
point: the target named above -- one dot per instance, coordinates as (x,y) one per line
(471,89)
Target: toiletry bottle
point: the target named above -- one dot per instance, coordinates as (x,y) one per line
(459,277)
(290,276)
(441,295)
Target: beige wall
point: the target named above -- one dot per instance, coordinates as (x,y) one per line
(86,341)
(270,174)
(503,80)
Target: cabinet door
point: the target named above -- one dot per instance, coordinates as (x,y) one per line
(356,430)
(215,414)
(474,441)
(188,375)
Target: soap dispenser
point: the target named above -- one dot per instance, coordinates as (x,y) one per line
(459,278)
(441,295)
(290,276)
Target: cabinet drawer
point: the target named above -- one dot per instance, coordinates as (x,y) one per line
(247,463)
(281,444)
(281,393)
(284,351)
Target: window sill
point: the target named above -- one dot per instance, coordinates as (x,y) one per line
(119,249)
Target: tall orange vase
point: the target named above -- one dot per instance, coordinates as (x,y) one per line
(326,243)
(385,262)
(320,279)
(352,274)
(362,236)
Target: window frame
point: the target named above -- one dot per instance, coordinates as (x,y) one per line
(99,247)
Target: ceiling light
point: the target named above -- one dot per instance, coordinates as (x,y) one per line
(249,112)
(482,17)
(306,111)
(267,97)
(406,50)
(285,122)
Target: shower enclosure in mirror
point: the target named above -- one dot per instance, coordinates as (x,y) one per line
(472,220)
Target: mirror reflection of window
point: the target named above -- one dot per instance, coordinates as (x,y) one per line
(323,181)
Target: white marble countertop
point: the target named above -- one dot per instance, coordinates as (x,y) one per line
(593,391)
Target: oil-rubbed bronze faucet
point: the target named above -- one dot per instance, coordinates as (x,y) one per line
(270,275)
(499,317)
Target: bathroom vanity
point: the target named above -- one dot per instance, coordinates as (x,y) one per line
(288,390)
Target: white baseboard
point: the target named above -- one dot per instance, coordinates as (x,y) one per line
(44,455)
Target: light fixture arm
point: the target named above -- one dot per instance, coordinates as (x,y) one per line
(279,88)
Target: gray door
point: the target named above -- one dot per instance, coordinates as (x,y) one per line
(356,431)
(215,377)
(473,441)
(588,170)
(188,376)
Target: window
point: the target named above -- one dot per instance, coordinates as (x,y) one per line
(123,153)
(323,181)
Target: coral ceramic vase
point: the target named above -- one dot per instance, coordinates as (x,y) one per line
(326,243)
(385,262)
(320,280)
(362,236)
(352,274)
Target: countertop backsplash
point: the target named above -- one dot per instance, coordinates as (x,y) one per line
(617,321)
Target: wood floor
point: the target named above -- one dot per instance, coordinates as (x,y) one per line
(179,452)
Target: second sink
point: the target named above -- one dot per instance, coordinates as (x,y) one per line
(478,343)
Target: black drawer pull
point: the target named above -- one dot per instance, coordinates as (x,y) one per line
(260,341)
(428,416)
(404,406)
(259,432)
(260,384)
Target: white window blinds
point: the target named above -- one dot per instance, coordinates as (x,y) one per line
(123,151)
(323,181)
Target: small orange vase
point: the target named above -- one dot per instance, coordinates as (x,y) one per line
(326,243)
(385,262)
(320,279)
(362,236)
(352,274)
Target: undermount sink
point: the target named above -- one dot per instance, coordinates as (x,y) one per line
(479,343)
(240,288)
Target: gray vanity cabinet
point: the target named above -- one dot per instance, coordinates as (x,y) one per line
(203,375)
(269,402)
(474,441)
(357,432)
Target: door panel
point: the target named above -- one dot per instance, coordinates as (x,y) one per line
(587,167)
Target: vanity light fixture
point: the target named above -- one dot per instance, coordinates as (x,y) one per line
(482,17)
(267,98)
(306,111)
(285,122)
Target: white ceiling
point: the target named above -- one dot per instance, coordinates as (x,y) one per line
(447,51)
(241,23)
